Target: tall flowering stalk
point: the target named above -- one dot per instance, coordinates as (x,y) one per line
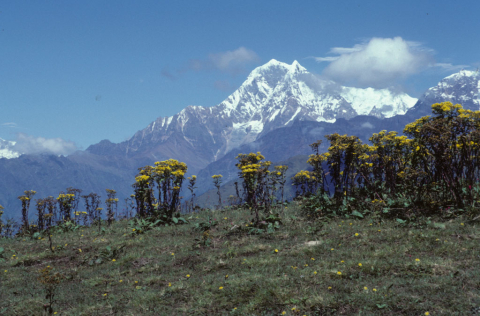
(112,203)
(51,206)
(26,199)
(75,202)
(217,182)
(92,202)
(41,213)
(253,171)
(65,203)
(1,221)
(167,176)
(191,187)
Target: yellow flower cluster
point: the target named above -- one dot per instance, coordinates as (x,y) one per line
(217,176)
(142,178)
(304,176)
(66,197)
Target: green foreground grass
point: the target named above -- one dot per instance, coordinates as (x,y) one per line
(344,267)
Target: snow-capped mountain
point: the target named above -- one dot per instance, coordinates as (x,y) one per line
(6,149)
(273,95)
(462,87)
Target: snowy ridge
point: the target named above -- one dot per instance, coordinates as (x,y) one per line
(462,87)
(273,95)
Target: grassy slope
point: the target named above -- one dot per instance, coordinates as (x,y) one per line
(150,277)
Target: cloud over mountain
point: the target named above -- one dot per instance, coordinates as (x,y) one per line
(232,62)
(378,63)
(27,144)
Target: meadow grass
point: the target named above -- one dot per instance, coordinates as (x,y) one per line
(343,267)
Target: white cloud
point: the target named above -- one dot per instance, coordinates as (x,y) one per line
(346,50)
(9,124)
(380,62)
(450,67)
(232,62)
(367,125)
(226,60)
(27,144)
(331,58)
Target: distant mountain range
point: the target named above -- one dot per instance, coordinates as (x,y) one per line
(279,110)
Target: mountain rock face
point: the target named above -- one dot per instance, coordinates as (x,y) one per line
(273,96)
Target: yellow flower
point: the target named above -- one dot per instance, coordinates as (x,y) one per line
(313,259)
(427,313)
(6,271)
(342,261)
(136,282)
(359,264)
(188,275)
(220,288)
(276,250)
(114,260)
(173,254)
(105,294)
(120,281)
(365,288)
(306,265)
(224,218)
(339,273)
(315,272)
(350,223)
(461,224)
(329,287)
(284,312)
(79,249)
(332,249)
(417,259)
(169,284)
(374,290)
(356,234)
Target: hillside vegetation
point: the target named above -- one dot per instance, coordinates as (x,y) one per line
(343,267)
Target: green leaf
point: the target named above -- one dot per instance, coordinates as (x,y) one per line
(1,249)
(109,248)
(175,220)
(99,261)
(381,305)
(357,213)
(401,221)
(439,225)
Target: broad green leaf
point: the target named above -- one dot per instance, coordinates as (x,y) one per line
(357,213)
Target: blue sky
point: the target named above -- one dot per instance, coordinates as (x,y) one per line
(83,71)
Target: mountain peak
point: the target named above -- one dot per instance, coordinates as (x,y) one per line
(462,74)
(296,67)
